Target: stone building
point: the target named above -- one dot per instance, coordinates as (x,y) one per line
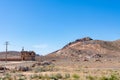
(28,55)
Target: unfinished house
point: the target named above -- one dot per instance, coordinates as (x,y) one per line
(28,55)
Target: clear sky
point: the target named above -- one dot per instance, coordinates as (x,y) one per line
(47,25)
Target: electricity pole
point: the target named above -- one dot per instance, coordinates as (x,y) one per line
(6,44)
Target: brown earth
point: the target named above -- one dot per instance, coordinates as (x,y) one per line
(87,48)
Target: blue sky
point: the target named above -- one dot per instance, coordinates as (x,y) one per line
(47,25)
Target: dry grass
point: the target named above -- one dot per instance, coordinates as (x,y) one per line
(88,70)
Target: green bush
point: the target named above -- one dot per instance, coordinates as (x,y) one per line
(35,76)
(43,68)
(7,77)
(67,76)
(114,77)
(111,77)
(104,78)
(59,76)
(75,76)
(91,78)
(53,77)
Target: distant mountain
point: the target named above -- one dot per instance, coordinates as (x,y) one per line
(87,47)
(11,54)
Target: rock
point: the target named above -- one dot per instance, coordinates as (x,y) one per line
(84,39)
(97,60)
(3,68)
(53,60)
(44,63)
(85,59)
(22,68)
(96,56)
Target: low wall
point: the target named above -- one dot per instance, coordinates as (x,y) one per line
(11,59)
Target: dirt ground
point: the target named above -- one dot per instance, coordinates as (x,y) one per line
(82,68)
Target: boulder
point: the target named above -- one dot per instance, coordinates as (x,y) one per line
(22,68)
(44,63)
(3,68)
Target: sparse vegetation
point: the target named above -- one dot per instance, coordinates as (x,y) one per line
(43,68)
(58,76)
(90,77)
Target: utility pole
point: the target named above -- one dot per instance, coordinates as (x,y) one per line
(6,44)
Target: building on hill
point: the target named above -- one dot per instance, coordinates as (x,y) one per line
(28,55)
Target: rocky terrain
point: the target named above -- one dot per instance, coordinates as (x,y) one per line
(87,48)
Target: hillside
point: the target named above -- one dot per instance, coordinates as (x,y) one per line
(89,48)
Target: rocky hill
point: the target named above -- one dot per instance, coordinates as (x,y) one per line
(89,48)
